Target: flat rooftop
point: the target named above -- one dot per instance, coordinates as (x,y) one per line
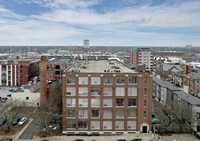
(100,66)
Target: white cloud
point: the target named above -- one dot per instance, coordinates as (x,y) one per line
(70,21)
(183,15)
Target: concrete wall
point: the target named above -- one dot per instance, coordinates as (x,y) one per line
(33,98)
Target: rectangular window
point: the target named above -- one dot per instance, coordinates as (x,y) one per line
(107,113)
(95,91)
(107,125)
(132,113)
(95,102)
(132,91)
(120,91)
(83,125)
(119,125)
(132,102)
(71,80)
(83,102)
(83,80)
(107,80)
(95,80)
(131,124)
(145,114)
(145,103)
(120,80)
(132,80)
(119,102)
(119,113)
(95,124)
(83,91)
(107,91)
(70,102)
(95,113)
(70,91)
(71,124)
(83,113)
(107,102)
(71,113)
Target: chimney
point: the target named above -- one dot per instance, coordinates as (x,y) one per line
(43,83)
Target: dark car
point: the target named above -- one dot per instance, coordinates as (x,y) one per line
(136,140)
(15,121)
(78,140)
(121,140)
(2,121)
(6,139)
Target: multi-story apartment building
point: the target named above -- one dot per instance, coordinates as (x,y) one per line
(191,83)
(106,97)
(17,73)
(142,56)
(56,67)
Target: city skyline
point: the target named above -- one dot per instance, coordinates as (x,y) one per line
(103,22)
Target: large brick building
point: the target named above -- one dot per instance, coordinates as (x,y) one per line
(17,73)
(56,67)
(106,97)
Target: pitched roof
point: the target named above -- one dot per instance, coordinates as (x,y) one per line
(195,75)
(188,97)
(167,67)
(165,84)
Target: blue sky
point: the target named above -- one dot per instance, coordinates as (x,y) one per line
(103,22)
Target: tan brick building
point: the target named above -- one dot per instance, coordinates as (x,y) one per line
(142,56)
(106,97)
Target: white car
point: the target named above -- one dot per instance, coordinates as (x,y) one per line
(22,121)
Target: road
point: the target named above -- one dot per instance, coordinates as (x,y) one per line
(31,130)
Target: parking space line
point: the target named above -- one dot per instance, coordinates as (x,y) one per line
(25,128)
(34,135)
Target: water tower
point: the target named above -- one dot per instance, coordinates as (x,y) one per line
(86,49)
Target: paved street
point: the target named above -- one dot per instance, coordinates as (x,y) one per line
(30,132)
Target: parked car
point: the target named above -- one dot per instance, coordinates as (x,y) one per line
(121,140)
(155,121)
(15,121)
(136,140)
(22,121)
(2,121)
(53,127)
(79,140)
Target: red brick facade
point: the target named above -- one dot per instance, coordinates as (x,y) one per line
(143,100)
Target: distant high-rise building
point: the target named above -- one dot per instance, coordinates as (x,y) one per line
(142,56)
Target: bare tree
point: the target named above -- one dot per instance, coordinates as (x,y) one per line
(10,110)
(44,113)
